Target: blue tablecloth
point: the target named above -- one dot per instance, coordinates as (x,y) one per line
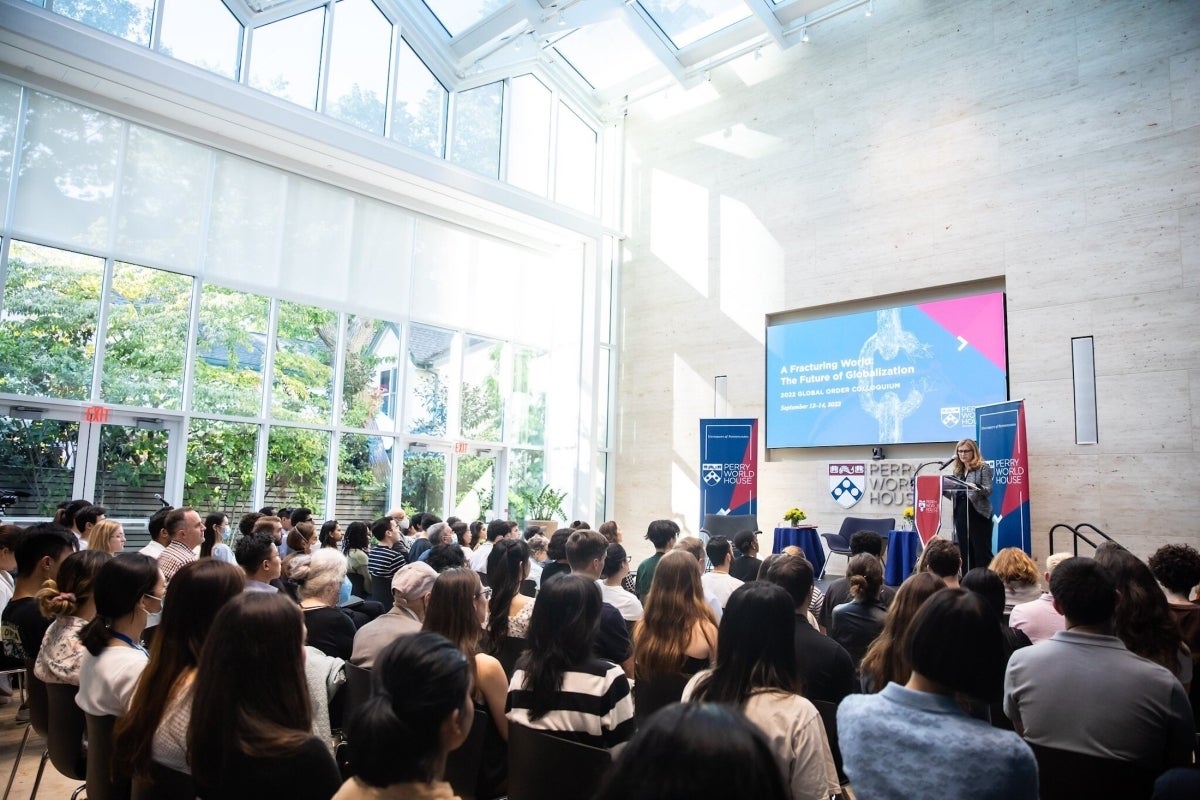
(807,539)
(903,548)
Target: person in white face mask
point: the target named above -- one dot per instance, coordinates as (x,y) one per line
(404,524)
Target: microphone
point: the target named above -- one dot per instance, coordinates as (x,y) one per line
(946,463)
(159,498)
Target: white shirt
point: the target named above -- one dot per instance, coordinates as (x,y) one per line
(721,585)
(623,601)
(7,587)
(479,559)
(153,549)
(107,681)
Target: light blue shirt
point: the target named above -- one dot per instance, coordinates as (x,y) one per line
(903,744)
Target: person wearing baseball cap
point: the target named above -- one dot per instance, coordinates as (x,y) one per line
(411,586)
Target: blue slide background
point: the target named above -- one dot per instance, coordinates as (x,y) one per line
(946,376)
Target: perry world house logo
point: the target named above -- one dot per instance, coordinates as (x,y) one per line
(847,482)
(951,415)
(711,473)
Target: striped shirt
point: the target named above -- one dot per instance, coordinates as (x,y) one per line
(593,707)
(173,557)
(384,562)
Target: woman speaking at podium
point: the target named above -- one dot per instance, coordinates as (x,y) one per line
(972,505)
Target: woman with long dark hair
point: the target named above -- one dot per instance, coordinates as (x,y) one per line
(509,611)
(216,526)
(356,544)
(884,661)
(1143,618)
(972,504)
(68,601)
(559,686)
(155,729)
(677,633)
(331,535)
(249,735)
(129,588)
(756,672)
(421,698)
(457,610)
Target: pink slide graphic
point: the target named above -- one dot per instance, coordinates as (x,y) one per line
(978,319)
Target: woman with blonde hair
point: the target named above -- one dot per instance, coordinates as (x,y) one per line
(972,505)
(885,662)
(108,536)
(1020,576)
(68,601)
(676,636)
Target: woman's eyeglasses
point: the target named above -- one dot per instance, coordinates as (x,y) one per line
(485,593)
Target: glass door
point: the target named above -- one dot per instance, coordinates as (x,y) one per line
(474,485)
(120,460)
(423,485)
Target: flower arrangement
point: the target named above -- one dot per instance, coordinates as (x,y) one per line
(909,514)
(795,516)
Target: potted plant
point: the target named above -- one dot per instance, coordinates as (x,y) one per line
(542,506)
(795,516)
(909,513)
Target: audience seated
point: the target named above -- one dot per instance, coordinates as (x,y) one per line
(457,610)
(249,735)
(1038,619)
(914,740)
(586,552)
(1142,619)
(216,526)
(838,591)
(886,661)
(1083,691)
(509,611)
(155,727)
(497,530)
(559,685)
(662,533)
(411,588)
(677,634)
(159,537)
(556,556)
(40,551)
(258,555)
(1019,574)
(942,558)
(319,576)
(822,666)
(355,545)
(107,536)
(444,556)
(128,589)
(987,584)
(1177,568)
(616,567)
(858,622)
(756,671)
(187,533)
(331,536)
(68,601)
(719,583)
(421,697)
(383,560)
(745,567)
(695,750)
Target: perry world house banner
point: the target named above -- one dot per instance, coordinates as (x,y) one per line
(1000,431)
(728,466)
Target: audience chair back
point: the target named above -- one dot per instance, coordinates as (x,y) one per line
(651,694)
(358,586)
(381,590)
(828,713)
(25,674)
(64,738)
(1064,775)
(164,783)
(542,766)
(102,784)
(39,703)
(462,765)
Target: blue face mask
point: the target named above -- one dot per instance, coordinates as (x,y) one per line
(344,593)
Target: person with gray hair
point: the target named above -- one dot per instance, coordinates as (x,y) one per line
(319,577)
(1039,619)
(437,533)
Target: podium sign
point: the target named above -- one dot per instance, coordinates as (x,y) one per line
(927,506)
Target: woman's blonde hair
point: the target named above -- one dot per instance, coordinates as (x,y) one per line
(102,532)
(1014,566)
(673,607)
(975,462)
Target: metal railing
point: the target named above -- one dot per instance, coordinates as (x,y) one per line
(1077,534)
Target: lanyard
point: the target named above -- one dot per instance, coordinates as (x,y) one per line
(129,641)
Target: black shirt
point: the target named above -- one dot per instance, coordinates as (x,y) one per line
(330,631)
(26,617)
(824,667)
(307,773)
(612,640)
(745,568)
(839,592)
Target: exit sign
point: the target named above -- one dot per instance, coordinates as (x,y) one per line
(95,414)
(460,447)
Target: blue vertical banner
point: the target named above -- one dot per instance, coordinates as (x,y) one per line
(1000,431)
(728,466)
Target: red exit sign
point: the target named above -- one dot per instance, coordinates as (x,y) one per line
(95,414)
(460,447)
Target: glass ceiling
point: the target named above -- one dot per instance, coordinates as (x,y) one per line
(604,53)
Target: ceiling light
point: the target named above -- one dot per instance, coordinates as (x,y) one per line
(870,8)
(804,36)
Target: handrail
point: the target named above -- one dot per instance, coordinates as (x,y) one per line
(1076,535)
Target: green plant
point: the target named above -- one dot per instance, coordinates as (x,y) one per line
(795,516)
(543,503)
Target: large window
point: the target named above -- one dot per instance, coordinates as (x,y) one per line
(49,323)
(302,388)
(371,380)
(231,345)
(428,377)
(480,415)
(419,113)
(297,461)
(220,466)
(529,134)
(203,33)
(286,60)
(475,143)
(358,65)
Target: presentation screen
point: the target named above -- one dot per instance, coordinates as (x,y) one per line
(889,376)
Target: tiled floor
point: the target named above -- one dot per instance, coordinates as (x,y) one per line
(53,787)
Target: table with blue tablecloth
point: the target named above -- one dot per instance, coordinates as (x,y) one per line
(807,539)
(903,548)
